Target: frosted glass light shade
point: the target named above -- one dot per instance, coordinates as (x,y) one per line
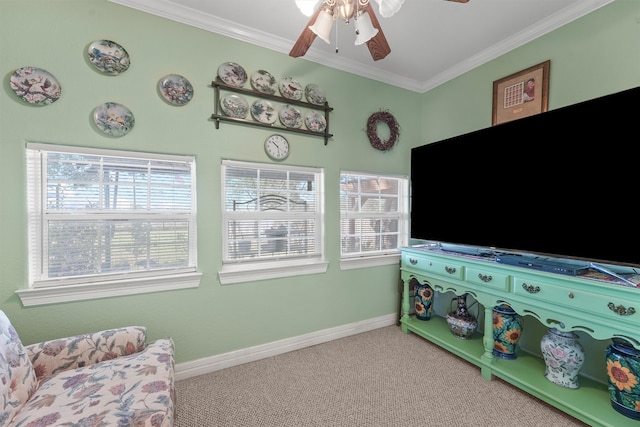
(322,26)
(388,8)
(365,30)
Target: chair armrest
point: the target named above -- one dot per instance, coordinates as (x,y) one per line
(53,356)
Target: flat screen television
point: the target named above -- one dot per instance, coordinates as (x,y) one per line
(561,184)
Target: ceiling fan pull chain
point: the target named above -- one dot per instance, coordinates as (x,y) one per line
(337,37)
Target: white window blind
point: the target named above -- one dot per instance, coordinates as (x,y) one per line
(373,213)
(271,212)
(97,215)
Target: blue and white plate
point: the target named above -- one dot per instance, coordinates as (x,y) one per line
(314,94)
(263,111)
(264,82)
(232,74)
(108,57)
(234,106)
(113,119)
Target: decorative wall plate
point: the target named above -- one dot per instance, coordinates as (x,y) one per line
(264,82)
(234,106)
(314,94)
(35,86)
(290,116)
(232,74)
(108,57)
(175,89)
(263,111)
(113,119)
(290,88)
(315,122)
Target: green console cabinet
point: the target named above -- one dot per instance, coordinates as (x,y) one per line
(601,309)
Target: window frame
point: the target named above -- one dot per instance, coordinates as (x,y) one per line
(378,257)
(244,270)
(47,290)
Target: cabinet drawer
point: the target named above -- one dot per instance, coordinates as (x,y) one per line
(434,266)
(608,307)
(487,278)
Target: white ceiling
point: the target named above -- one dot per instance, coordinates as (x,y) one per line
(432,41)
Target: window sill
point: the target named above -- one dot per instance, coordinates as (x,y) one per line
(249,272)
(57,294)
(369,261)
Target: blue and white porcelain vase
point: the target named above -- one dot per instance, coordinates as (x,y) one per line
(462,323)
(507,330)
(563,357)
(423,302)
(623,369)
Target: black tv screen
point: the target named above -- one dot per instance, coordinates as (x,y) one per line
(563,183)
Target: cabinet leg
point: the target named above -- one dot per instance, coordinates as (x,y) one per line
(487,340)
(405,306)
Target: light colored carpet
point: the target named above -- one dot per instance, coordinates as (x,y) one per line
(378,378)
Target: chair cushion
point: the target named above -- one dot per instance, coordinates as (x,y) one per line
(17,376)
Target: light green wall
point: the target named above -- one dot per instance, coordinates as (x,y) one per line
(593,56)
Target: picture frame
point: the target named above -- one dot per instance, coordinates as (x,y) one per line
(521,94)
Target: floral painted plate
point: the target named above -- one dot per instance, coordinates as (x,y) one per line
(263,111)
(264,82)
(175,89)
(113,119)
(234,106)
(315,122)
(35,86)
(290,88)
(232,74)
(108,57)
(290,116)
(314,94)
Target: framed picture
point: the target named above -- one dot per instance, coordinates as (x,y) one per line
(521,94)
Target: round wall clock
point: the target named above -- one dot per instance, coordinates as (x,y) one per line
(277,147)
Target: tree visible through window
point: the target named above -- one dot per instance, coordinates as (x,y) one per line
(373,213)
(101,215)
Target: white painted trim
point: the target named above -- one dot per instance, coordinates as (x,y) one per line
(369,261)
(234,358)
(250,272)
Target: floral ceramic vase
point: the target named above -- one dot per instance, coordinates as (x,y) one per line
(462,323)
(507,330)
(563,357)
(623,369)
(423,302)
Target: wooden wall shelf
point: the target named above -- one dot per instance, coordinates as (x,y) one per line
(218,86)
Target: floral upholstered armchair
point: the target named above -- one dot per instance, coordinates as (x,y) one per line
(106,378)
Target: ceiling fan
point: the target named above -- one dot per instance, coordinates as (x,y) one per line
(368,29)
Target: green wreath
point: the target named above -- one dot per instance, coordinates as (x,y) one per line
(372,130)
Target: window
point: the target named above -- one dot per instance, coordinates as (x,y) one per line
(109,222)
(272,221)
(374,216)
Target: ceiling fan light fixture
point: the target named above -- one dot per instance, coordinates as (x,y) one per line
(322,26)
(365,30)
(388,8)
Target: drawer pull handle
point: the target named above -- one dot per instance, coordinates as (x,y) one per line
(530,288)
(570,295)
(413,261)
(484,277)
(621,310)
(450,270)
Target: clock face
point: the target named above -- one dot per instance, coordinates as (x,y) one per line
(277,147)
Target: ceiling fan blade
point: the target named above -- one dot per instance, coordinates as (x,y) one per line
(378,45)
(459,1)
(306,38)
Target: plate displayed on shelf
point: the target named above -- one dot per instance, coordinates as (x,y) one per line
(175,89)
(232,74)
(113,119)
(108,57)
(35,85)
(314,94)
(290,116)
(315,122)
(234,106)
(264,82)
(290,88)
(263,111)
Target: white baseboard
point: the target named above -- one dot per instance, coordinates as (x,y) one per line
(250,354)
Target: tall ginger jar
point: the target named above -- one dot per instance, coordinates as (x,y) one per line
(507,330)
(563,357)
(423,302)
(623,371)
